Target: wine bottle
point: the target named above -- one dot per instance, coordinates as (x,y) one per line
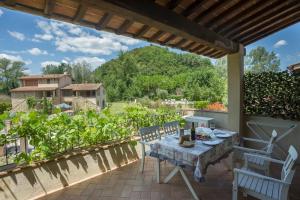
(193,132)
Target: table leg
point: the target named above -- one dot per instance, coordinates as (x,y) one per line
(172,174)
(187,182)
(158,170)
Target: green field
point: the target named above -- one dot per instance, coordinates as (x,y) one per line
(117,107)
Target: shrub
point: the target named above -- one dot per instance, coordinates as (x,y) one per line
(272,94)
(4,107)
(200,104)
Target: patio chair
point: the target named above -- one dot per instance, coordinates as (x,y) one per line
(171,128)
(256,162)
(148,135)
(265,187)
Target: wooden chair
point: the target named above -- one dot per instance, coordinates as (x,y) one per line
(171,128)
(148,135)
(265,187)
(256,162)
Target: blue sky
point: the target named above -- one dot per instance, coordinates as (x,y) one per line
(39,41)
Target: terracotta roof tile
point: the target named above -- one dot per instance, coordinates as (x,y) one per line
(43,76)
(83,86)
(33,88)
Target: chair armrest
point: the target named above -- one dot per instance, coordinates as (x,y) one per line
(248,155)
(249,150)
(249,173)
(254,140)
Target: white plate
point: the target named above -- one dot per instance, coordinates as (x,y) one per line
(223,135)
(212,142)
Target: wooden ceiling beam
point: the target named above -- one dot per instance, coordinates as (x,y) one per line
(269,32)
(180,43)
(142,31)
(169,39)
(172,4)
(192,8)
(104,21)
(245,15)
(49,6)
(212,10)
(10,2)
(80,13)
(123,28)
(189,46)
(264,17)
(166,21)
(157,35)
(272,26)
(229,14)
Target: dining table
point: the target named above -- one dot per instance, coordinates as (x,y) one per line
(196,158)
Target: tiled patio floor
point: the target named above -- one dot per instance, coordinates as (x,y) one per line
(127,183)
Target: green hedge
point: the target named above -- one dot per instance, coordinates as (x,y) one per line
(4,107)
(272,94)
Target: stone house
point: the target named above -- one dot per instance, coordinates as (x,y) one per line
(59,89)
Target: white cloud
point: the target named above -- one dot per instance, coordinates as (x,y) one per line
(1,12)
(93,61)
(37,51)
(46,37)
(17,35)
(45,63)
(72,38)
(280,43)
(15,58)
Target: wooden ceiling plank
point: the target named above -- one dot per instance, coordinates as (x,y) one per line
(49,6)
(189,46)
(274,25)
(80,13)
(180,43)
(169,39)
(10,2)
(211,10)
(157,35)
(172,4)
(271,31)
(104,21)
(264,17)
(166,21)
(193,7)
(123,28)
(230,13)
(245,15)
(142,31)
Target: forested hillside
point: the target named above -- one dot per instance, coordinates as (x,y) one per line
(159,73)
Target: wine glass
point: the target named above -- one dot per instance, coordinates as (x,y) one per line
(212,126)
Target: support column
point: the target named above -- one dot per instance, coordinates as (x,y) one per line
(235,70)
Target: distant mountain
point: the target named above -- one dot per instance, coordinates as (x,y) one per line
(157,72)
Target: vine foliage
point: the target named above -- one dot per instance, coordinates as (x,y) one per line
(272,94)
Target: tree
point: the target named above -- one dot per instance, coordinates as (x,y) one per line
(82,73)
(260,60)
(57,69)
(10,71)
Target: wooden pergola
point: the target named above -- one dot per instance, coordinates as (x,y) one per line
(213,28)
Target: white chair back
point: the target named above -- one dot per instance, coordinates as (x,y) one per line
(271,142)
(287,172)
(150,133)
(171,128)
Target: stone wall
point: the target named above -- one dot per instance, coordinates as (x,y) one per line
(42,178)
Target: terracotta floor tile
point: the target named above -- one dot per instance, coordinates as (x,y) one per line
(127,183)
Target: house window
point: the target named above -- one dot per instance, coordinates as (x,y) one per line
(93,93)
(48,94)
(48,81)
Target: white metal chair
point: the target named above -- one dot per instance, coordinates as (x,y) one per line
(148,135)
(265,187)
(256,162)
(171,128)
